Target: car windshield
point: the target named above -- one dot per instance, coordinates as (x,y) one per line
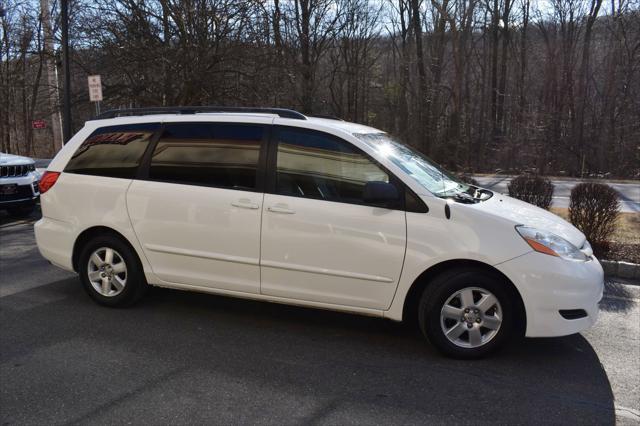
(415,164)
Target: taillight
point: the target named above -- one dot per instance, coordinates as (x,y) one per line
(48,180)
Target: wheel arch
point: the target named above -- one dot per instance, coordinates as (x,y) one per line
(412,298)
(89,233)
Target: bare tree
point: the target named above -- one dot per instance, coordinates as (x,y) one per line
(480,85)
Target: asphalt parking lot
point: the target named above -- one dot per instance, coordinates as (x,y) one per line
(192,358)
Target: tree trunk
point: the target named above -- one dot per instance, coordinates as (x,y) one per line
(495,21)
(583,84)
(502,89)
(422,75)
(52,77)
(303,10)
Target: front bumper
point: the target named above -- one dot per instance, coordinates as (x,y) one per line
(548,285)
(26,192)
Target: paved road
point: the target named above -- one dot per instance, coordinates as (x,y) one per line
(192,358)
(629,192)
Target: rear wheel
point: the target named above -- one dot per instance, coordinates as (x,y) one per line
(111,272)
(467,313)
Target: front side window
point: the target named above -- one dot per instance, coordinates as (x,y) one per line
(317,165)
(222,155)
(113,151)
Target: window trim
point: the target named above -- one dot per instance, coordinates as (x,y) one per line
(143,169)
(272,170)
(145,164)
(154,136)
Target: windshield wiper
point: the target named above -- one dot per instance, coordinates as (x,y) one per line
(465,198)
(461,197)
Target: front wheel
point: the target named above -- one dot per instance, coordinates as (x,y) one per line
(110,272)
(466,313)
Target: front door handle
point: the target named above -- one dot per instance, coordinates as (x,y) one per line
(245,203)
(281,208)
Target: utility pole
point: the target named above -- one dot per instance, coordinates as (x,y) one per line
(52,77)
(66,93)
(5,141)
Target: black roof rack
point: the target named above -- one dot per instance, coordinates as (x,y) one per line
(327,117)
(282,112)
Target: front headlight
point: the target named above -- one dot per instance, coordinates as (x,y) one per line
(549,243)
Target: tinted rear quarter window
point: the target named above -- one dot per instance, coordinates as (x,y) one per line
(222,155)
(113,151)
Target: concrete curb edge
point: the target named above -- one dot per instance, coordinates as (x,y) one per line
(621,269)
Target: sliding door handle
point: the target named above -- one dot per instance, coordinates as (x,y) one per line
(281,208)
(245,203)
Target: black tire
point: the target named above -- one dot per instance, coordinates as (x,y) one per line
(445,286)
(136,284)
(22,211)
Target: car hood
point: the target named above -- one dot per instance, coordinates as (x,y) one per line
(521,213)
(14,160)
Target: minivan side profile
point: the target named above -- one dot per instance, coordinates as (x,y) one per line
(272,205)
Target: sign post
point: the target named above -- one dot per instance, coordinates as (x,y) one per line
(95,91)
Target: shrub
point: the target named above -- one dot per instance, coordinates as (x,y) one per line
(594,209)
(536,190)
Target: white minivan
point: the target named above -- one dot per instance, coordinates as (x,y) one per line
(270,204)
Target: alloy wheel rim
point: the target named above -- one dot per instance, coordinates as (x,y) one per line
(107,272)
(471,317)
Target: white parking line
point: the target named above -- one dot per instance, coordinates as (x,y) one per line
(627,413)
(20,222)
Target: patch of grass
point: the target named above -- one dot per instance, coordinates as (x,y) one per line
(625,241)
(627,226)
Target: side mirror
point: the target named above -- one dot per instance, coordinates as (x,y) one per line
(376,192)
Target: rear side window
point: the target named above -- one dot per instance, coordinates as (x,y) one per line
(113,151)
(313,164)
(222,155)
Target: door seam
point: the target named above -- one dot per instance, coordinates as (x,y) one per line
(404,258)
(133,228)
(260,247)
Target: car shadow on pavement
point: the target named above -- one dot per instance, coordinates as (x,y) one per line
(182,357)
(7,220)
(618,297)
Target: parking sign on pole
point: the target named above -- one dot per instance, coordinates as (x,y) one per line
(95,91)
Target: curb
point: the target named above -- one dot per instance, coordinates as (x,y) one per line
(621,269)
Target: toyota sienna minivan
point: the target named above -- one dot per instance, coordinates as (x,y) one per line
(272,205)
